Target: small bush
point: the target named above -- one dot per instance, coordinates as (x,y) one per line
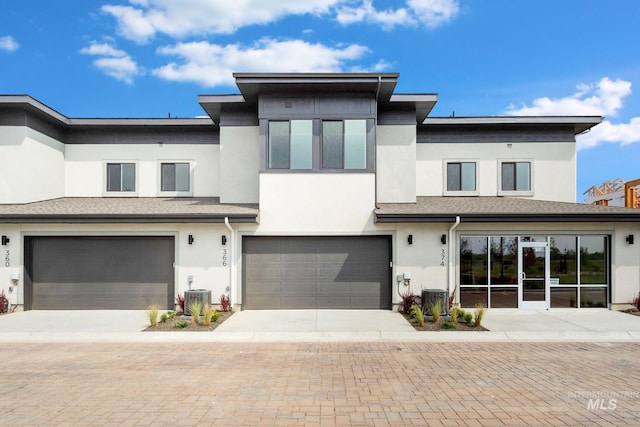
(170,314)
(455,314)
(152,313)
(416,313)
(207,312)
(195,308)
(215,316)
(180,302)
(436,311)
(408,301)
(452,297)
(225,302)
(447,325)
(468,317)
(164,318)
(4,303)
(480,310)
(180,324)
(635,302)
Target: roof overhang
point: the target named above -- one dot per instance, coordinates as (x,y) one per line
(422,103)
(381,85)
(580,124)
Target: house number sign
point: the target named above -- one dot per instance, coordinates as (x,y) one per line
(7,258)
(442,257)
(224,257)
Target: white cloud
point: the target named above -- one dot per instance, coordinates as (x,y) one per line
(604,98)
(114,62)
(143,19)
(211,64)
(8,43)
(430,13)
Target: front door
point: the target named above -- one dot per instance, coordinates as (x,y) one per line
(533,262)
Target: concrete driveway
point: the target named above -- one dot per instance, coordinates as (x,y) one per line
(598,325)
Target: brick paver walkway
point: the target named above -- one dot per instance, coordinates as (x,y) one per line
(378,384)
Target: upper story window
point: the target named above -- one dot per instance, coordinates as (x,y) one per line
(461,177)
(290,144)
(516,176)
(344,144)
(175,177)
(121,177)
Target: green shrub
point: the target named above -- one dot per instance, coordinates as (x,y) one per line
(195,308)
(163,318)
(480,310)
(152,313)
(447,325)
(180,324)
(468,317)
(215,316)
(436,311)
(170,314)
(416,313)
(207,312)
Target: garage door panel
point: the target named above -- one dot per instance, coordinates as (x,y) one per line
(264,273)
(100,272)
(319,272)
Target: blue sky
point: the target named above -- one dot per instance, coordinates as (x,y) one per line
(151,58)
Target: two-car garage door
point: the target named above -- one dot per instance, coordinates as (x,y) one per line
(317,272)
(99,272)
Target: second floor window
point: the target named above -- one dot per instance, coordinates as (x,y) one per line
(344,144)
(516,176)
(290,144)
(461,176)
(121,177)
(175,177)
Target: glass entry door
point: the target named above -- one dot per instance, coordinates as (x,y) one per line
(533,264)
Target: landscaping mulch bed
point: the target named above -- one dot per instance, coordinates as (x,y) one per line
(430,326)
(633,311)
(169,325)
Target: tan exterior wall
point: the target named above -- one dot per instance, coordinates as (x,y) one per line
(239,164)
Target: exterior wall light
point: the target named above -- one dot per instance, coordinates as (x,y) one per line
(630,239)
(224,240)
(190,239)
(443,239)
(410,239)
(5,240)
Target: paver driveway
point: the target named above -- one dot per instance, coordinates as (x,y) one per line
(320,384)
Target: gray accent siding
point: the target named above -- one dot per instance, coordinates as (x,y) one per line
(326,107)
(317,272)
(144,135)
(80,273)
(501,133)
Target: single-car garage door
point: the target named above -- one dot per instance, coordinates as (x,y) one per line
(80,273)
(317,272)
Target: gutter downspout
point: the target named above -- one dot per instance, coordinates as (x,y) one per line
(232,256)
(451,282)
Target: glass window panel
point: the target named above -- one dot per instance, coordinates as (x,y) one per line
(301,144)
(168,177)
(355,144)
(453,176)
(563,263)
(182,177)
(470,297)
(473,261)
(593,297)
(278,145)
(128,177)
(533,238)
(332,149)
(504,297)
(593,260)
(508,176)
(504,260)
(468,177)
(113,177)
(523,176)
(563,297)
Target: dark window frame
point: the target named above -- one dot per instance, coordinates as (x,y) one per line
(171,186)
(514,186)
(116,175)
(460,183)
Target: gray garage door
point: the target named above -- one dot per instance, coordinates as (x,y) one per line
(79,273)
(317,272)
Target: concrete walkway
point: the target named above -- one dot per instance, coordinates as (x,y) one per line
(592,325)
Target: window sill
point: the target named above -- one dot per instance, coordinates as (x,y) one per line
(461,193)
(515,193)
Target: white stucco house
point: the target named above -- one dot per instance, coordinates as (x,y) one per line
(304,191)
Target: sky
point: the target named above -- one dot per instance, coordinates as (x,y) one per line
(152,58)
